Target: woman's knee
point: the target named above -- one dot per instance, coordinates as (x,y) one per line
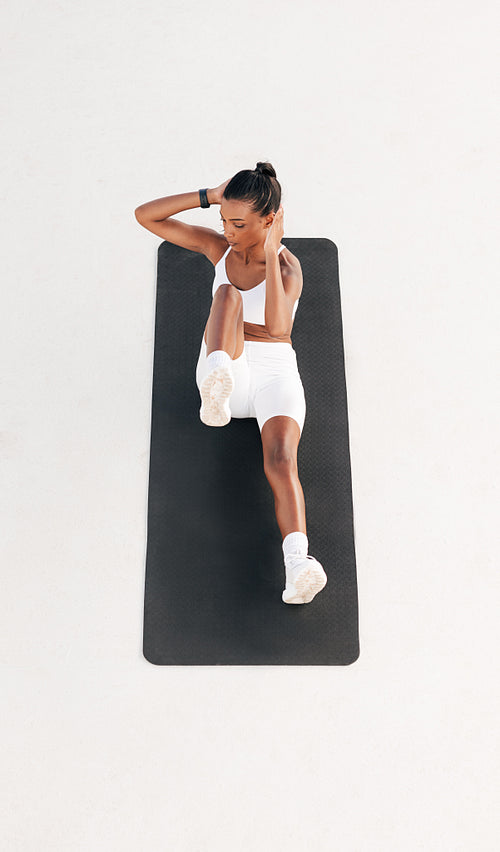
(228,293)
(280,460)
(228,301)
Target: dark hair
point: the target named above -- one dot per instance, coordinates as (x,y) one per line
(258,186)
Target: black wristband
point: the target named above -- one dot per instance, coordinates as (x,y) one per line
(203,198)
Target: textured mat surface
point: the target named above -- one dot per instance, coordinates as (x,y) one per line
(214,562)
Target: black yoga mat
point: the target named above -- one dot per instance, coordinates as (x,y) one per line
(214,562)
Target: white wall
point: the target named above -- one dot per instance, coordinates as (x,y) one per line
(380,120)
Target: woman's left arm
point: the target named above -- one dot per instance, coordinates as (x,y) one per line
(282,288)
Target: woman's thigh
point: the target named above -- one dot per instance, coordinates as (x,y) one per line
(282,396)
(277,388)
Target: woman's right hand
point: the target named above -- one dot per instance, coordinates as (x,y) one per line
(215,195)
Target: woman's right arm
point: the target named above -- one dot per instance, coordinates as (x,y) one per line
(156,217)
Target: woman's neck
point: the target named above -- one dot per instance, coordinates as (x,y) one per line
(252,254)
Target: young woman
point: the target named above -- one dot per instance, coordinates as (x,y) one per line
(247,366)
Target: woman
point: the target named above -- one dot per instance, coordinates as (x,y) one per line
(247,366)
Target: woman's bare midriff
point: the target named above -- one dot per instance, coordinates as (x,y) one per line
(257,333)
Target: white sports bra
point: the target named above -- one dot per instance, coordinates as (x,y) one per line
(254,299)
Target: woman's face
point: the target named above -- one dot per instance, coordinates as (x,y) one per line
(242,228)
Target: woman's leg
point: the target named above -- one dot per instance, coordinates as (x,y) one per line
(280,440)
(225,323)
(305,576)
(222,372)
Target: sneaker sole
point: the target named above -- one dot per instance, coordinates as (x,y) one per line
(215,391)
(307,584)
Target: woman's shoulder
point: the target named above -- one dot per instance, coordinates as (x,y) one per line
(216,248)
(290,261)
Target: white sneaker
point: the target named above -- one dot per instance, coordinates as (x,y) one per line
(215,391)
(305,577)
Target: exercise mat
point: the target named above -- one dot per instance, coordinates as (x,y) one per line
(214,560)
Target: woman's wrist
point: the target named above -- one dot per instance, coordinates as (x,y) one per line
(210,197)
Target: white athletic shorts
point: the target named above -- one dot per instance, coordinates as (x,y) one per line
(267,382)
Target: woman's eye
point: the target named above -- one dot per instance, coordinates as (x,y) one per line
(236,226)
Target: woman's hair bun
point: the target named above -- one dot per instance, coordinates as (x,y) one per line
(265,169)
(263,196)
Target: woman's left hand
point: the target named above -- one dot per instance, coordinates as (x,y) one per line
(275,232)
